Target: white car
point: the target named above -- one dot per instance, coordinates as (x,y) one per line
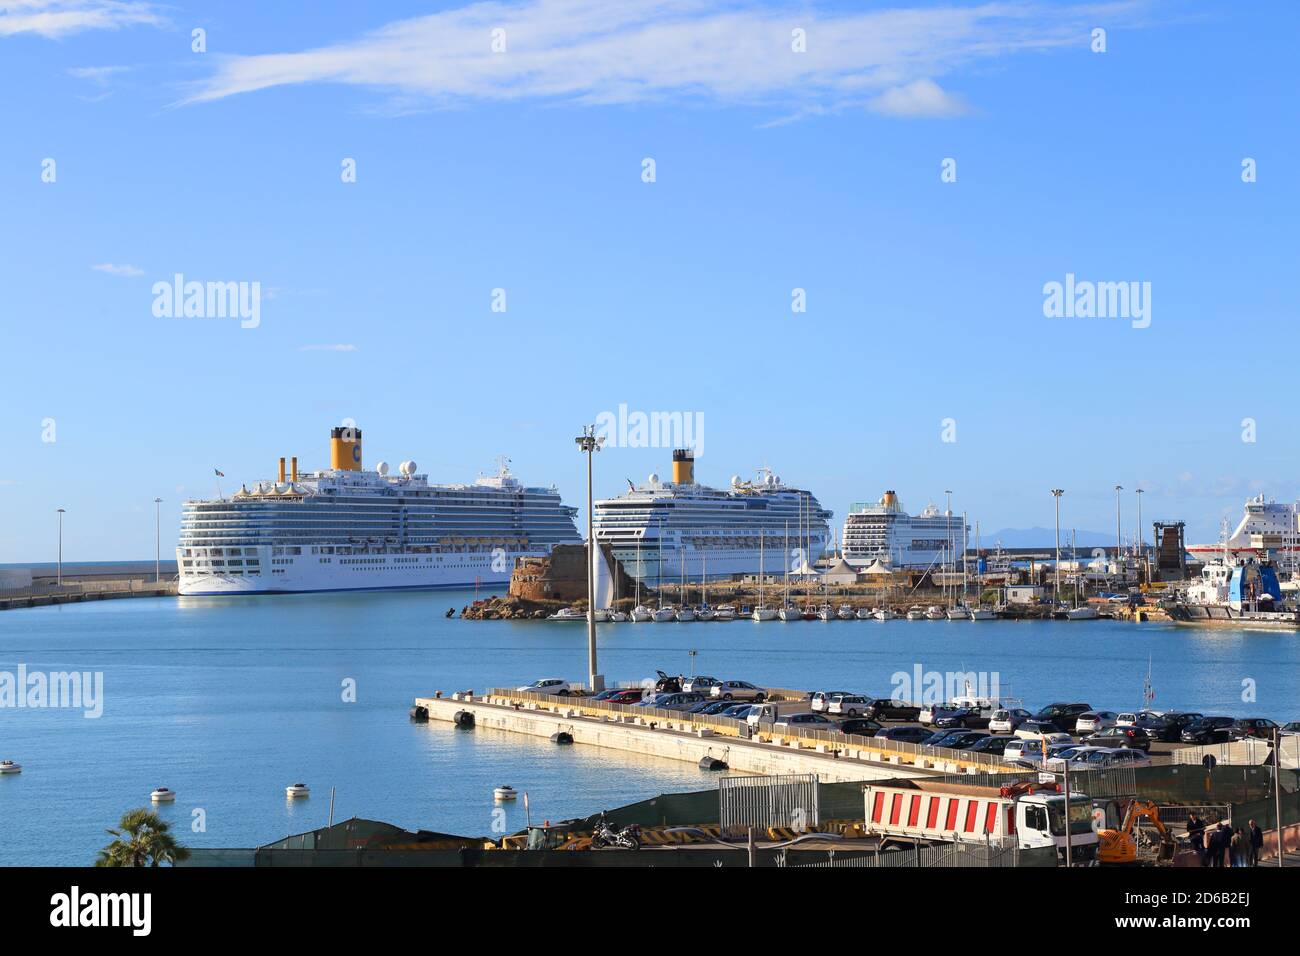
(1126,719)
(547,685)
(737,690)
(848,705)
(819,701)
(1099,758)
(1007,719)
(1094,721)
(699,685)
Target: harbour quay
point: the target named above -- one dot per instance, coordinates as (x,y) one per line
(45,586)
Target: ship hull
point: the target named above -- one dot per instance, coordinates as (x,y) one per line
(1212,615)
(707,564)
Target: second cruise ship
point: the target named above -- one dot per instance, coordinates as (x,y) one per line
(885,532)
(345,528)
(662,530)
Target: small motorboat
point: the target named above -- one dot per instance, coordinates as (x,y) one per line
(1085,613)
(568,614)
(505,792)
(724,612)
(935,613)
(451,612)
(825,613)
(8,766)
(885,614)
(982,614)
(162,795)
(916,613)
(845,613)
(866,614)
(640,614)
(297,790)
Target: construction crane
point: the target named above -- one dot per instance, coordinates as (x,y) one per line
(1119,848)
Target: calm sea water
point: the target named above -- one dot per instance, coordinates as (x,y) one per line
(229,700)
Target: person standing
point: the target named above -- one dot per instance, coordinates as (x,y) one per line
(1196,835)
(1256,842)
(1237,847)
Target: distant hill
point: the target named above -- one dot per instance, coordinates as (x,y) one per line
(1044,538)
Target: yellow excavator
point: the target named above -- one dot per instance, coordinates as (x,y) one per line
(1119,848)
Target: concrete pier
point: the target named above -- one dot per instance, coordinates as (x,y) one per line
(679,739)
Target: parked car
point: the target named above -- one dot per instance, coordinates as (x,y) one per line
(991,745)
(734,710)
(627,695)
(1120,737)
(1037,730)
(1126,718)
(955,739)
(1006,720)
(699,684)
(1058,756)
(821,700)
(737,690)
(861,727)
(847,705)
(907,735)
(1292,727)
(886,708)
(1167,726)
(961,717)
(1258,727)
(808,721)
(547,685)
(1101,758)
(1064,716)
(667,684)
(1095,720)
(715,707)
(1208,730)
(1029,752)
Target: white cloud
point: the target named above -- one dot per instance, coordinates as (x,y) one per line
(115,269)
(593,51)
(343,347)
(919,98)
(57,18)
(99,75)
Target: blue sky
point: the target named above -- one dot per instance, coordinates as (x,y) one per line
(522,170)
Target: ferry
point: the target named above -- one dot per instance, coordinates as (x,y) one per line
(1238,592)
(1266,526)
(884,531)
(348,528)
(685,529)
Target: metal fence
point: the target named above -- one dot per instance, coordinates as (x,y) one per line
(1249,752)
(943,855)
(787,800)
(833,742)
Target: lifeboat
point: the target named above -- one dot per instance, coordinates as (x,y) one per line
(297,790)
(162,795)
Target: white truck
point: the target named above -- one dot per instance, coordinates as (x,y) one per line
(1032,814)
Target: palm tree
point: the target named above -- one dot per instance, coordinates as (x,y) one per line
(141,839)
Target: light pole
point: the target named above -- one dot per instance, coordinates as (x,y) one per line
(1056,497)
(59,578)
(1119,534)
(948,523)
(1141,536)
(589,443)
(157,540)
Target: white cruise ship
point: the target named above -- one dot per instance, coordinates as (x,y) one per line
(662,530)
(346,529)
(884,531)
(1266,526)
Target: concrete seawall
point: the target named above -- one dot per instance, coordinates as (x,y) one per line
(740,754)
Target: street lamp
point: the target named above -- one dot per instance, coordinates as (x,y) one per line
(1056,495)
(157,540)
(1119,534)
(588,442)
(1141,536)
(59,579)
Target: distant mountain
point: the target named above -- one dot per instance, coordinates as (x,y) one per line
(1044,538)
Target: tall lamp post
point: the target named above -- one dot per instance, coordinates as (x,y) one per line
(588,442)
(59,578)
(1056,497)
(1141,536)
(1119,533)
(157,540)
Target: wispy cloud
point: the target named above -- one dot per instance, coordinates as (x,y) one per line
(57,18)
(116,269)
(342,347)
(592,51)
(99,75)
